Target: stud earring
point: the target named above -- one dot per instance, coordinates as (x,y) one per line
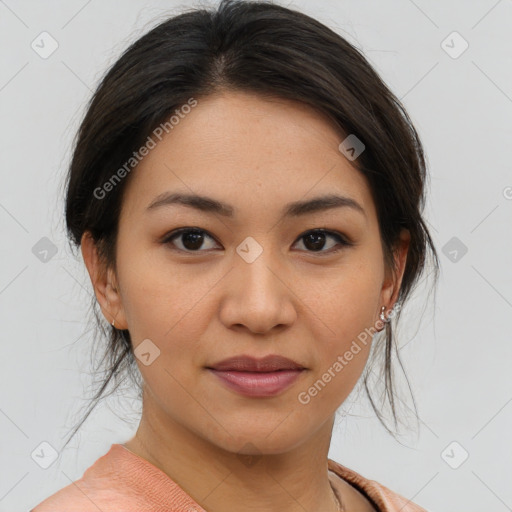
(383,317)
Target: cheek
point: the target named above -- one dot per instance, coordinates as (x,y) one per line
(173,312)
(341,362)
(344,327)
(160,300)
(346,304)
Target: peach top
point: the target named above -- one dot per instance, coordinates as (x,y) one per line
(121,481)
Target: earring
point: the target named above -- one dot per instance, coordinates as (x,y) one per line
(113,321)
(383,317)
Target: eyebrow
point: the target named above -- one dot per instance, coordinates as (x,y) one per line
(295,209)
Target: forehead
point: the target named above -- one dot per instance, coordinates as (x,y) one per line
(255,153)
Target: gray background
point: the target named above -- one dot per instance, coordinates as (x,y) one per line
(457,351)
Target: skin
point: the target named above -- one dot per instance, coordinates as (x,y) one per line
(201,307)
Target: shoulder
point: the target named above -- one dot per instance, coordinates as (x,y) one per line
(385,499)
(98,489)
(78,497)
(120,481)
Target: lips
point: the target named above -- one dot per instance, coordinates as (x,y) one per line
(252,377)
(270,363)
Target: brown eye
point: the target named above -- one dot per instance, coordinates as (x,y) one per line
(315,240)
(192,239)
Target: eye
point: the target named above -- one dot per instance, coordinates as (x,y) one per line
(315,240)
(192,239)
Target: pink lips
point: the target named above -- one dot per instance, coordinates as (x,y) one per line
(254,377)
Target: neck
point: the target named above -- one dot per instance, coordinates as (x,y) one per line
(219,479)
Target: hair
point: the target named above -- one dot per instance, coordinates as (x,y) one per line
(273,51)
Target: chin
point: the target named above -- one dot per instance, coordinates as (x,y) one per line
(259,441)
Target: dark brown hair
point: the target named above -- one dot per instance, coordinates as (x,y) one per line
(261,48)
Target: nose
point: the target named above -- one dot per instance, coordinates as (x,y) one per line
(257,296)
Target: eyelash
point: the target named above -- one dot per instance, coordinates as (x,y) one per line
(342,241)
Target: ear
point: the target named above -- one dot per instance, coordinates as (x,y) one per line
(393,280)
(104,283)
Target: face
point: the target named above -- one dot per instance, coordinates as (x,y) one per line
(251,279)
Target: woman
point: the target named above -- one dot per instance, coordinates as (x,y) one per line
(247,196)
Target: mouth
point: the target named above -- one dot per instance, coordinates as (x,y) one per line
(264,377)
(257,384)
